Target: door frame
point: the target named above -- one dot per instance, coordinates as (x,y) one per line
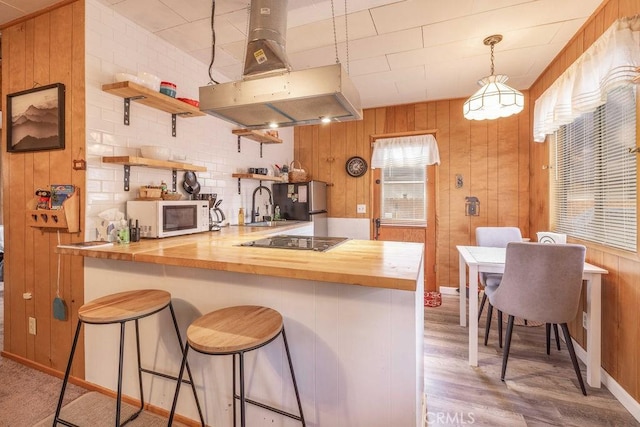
(431,234)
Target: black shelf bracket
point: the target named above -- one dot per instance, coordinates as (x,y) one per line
(127,108)
(238,143)
(127,173)
(174,180)
(173,126)
(238,185)
(261,150)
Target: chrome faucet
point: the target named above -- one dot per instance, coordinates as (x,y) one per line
(254,212)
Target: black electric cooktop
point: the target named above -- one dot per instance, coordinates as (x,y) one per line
(309,243)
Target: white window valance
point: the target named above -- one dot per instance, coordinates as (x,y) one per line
(407,151)
(609,62)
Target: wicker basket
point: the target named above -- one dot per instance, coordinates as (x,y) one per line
(171,196)
(297,174)
(150,193)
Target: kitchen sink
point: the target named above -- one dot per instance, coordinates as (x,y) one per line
(270,223)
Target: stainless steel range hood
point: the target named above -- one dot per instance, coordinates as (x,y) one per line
(270,95)
(288,99)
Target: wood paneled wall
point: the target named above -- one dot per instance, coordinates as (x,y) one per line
(42,49)
(621,287)
(491,156)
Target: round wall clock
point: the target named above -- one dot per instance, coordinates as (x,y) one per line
(356,166)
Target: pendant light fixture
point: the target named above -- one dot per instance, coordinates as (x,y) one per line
(494,99)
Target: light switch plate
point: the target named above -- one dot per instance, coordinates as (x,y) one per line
(32,325)
(361,209)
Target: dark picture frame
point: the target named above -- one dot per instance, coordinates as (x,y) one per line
(35,119)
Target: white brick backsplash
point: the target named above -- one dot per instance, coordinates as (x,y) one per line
(115,44)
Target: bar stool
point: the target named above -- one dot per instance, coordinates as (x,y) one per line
(235,331)
(121,308)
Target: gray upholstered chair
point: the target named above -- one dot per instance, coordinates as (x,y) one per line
(541,282)
(494,237)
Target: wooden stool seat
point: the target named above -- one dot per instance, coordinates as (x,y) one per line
(234,329)
(124,306)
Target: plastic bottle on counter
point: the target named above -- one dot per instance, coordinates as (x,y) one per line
(276,213)
(241,216)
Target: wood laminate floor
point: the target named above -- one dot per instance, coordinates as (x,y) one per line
(539,390)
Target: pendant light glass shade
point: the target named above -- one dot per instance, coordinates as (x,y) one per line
(494,99)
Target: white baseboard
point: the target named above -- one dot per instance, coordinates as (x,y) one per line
(616,389)
(449,290)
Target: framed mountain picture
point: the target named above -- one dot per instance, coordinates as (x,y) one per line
(35,119)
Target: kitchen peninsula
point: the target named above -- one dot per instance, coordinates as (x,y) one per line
(354,319)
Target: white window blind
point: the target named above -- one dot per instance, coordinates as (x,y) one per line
(403,195)
(611,61)
(595,175)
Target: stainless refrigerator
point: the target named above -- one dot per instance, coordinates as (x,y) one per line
(303,201)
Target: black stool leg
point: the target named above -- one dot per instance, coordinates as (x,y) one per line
(293,376)
(139,372)
(120,363)
(193,386)
(66,373)
(243,419)
(235,393)
(179,382)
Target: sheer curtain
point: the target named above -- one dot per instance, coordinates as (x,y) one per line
(406,151)
(611,61)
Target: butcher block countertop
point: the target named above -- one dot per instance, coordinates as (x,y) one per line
(393,265)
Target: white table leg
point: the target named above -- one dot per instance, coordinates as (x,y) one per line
(594,329)
(473,315)
(463,294)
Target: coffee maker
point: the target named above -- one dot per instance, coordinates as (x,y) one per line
(216,216)
(215,213)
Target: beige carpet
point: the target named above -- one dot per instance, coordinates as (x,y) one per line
(26,395)
(95,410)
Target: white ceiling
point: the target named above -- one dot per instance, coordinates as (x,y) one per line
(399,51)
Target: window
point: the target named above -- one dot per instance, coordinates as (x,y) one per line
(403,195)
(594,184)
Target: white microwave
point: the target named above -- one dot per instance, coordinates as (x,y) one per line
(168,218)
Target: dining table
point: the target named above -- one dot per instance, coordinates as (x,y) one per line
(481,259)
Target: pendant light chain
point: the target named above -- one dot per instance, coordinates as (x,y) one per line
(335,34)
(492,58)
(346,32)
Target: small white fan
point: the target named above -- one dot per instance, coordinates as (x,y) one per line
(549,237)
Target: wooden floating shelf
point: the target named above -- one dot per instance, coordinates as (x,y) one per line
(258,177)
(143,161)
(129,161)
(258,136)
(151,98)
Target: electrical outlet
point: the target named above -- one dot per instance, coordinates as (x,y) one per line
(32,325)
(584,320)
(361,209)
